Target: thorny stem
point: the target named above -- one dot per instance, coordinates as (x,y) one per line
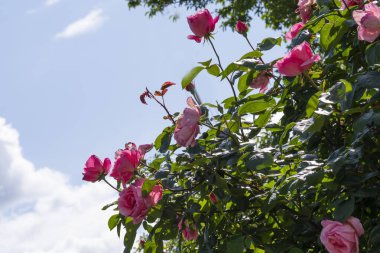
(261,59)
(253,49)
(345,4)
(146,165)
(306,75)
(105,180)
(230,135)
(221,67)
(162,105)
(183,190)
(230,82)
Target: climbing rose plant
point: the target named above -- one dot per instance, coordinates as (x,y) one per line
(289,163)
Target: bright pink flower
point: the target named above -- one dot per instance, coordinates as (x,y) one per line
(350,3)
(189,232)
(342,237)
(95,168)
(127,161)
(187,126)
(201,24)
(261,82)
(241,27)
(299,59)
(305,9)
(131,202)
(294,30)
(368,22)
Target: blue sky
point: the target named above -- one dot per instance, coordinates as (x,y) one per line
(71,76)
(73,96)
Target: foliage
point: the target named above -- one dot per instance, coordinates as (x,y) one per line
(274,180)
(276,14)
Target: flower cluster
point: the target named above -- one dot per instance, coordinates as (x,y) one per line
(131,201)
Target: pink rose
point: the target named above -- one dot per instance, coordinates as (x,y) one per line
(201,24)
(187,126)
(189,232)
(261,82)
(368,22)
(131,202)
(241,27)
(299,59)
(294,30)
(304,9)
(95,168)
(127,161)
(341,237)
(350,3)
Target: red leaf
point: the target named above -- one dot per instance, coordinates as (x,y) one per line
(142,97)
(166,85)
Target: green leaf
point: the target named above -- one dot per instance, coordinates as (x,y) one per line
(256,106)
(113,221)
(109,205)
(344,209)
(130,234)
(244,81)
(312,104)
(259,160)
(295,250)
(252,54)
(162,141)
(269,43)
(230,68)
(372,54)
(333,31)
(205,63)
(235,244)
(147,187)
(369,80)
(249,63)
(189,77)
(213,70)
(263,119)
(285,133)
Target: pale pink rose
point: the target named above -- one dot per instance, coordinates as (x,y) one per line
(299,59)
(340,237)
(127,161)
(95,168)
(305,9)
(131,202)
(350,3)
(189,232)
(241,27)
(368,21)
(294,30)
(187,127)
(261,82)
(201,24)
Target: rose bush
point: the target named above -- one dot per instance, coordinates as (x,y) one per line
(292,168)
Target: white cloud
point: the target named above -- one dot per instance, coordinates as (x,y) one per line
(90,23)
(41,212)
(51,2)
